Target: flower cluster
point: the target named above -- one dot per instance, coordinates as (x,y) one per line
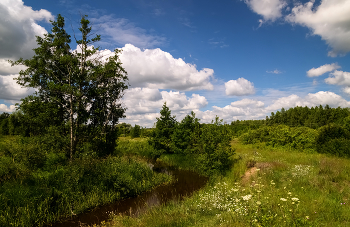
(224,198)
(301,170)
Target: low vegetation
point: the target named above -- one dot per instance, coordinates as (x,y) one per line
(40,187)
(266,187)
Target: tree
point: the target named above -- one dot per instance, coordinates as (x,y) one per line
(4,123)
(135,131)
(183,137)
(84,89)
(161,136)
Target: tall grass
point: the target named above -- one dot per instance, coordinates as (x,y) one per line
(46,194)
(283,189)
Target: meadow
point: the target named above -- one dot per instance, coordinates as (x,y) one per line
(265,187)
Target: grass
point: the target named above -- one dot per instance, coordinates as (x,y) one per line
(34,196)
(282,188)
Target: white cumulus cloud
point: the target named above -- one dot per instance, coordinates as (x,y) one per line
(312,99)
(10,90)
(143,104)
(339,78)
(7,69)
(239,87)
(7,109)
(18,28)
(270,10)
(154,68)
(322,70)
(330,20)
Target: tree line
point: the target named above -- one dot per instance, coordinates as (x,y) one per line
(313,117)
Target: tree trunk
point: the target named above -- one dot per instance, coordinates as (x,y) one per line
(71,127)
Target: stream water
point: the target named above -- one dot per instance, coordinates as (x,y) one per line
(184,184)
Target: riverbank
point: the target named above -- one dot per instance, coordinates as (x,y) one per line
(39,186)
(264,188)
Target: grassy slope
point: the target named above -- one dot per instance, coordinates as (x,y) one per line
(320,183)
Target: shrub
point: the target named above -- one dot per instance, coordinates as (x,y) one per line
(333,139)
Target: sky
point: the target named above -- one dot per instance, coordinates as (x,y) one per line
(235,59)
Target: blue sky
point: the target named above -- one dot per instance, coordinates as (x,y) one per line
(238,59)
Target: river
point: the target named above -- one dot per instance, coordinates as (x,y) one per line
(184,183)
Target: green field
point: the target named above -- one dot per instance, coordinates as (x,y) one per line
(264,188)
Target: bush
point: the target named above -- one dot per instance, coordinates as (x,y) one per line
(135,132)
(333,139)
(161,136)
(298,138)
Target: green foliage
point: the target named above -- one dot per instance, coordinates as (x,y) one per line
(139,147)
(74,88)
(333,139)
(124,129)
(314,117)
(299,138)
(213,152)
(208,145)
(38,115)
(37,185)
(4,126)
(183,137)
(238,127)
(161,136)
(15,123)
(135,132)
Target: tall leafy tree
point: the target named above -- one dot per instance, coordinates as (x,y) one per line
(165,125)
(184,136)
(84,88)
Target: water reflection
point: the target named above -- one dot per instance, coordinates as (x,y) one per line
(185,183)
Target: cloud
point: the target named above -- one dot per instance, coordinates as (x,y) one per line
(322,70)
(330,20)
(270,10)
(10,90)
(143,104)
(144,111)
(312,99)
(239,87)
(242,109)
(121,31)
(18,28)
(339,78)
(6,69)
(346,90)
(158,12)
(276,71)
(154,68)
(247,103)
(8,109)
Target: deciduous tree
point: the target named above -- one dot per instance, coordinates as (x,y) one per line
(84,88)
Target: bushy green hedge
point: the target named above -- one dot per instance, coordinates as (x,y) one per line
(299,138)
(330,139)
(333,139)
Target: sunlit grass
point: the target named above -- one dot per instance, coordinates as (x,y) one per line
(286,188)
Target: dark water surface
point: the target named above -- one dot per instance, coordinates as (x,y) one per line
(184,184)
